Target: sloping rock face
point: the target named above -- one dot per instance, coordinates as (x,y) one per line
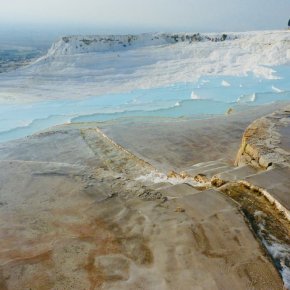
(73,215)
(265,142)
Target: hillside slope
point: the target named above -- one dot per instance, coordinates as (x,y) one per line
(79,66)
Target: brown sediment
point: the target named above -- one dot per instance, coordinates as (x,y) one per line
(237,240)
(41,280)
(19,257)
(203,244)
(97,231)
(95,275)
(251,202)
(3,284)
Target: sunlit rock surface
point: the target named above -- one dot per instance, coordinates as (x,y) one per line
(266,141)
(73,216)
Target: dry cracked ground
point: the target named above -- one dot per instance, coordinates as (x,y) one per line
(74,215)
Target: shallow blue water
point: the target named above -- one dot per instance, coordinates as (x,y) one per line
(210,95)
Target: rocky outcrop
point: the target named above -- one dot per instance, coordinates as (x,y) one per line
(261,143)
(98,43)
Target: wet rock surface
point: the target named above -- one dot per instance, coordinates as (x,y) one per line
(178,144)
(74,216)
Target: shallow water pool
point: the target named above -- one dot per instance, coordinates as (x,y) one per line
(210,95)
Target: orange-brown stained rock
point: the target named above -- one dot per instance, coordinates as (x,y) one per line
(121,242)
(95,275)
(36,280)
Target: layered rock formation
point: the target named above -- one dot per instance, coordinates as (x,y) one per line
(262,145)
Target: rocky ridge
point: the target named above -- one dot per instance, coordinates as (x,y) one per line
(100,43)
(262,139)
